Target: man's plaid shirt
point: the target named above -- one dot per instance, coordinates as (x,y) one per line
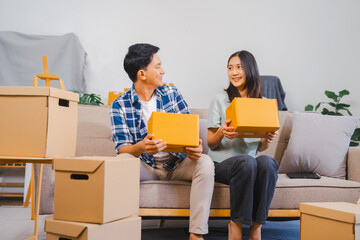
(128,127)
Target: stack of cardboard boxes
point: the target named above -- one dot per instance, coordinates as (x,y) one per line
(95,197)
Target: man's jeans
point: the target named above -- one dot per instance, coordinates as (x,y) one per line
(252,184)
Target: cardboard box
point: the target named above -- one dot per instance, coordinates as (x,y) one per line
(329,220)
(177,130)
(112,96)
(38,122)
(96,189)
(126,229)
(253,117)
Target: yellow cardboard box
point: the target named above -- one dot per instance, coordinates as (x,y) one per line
(128,228)
(37,122)
(177,130)
(329,221)
(112,96)
(96,189)
(253,117)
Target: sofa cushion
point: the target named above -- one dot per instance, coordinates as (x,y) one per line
(203,134)
(288,193)
(318,143)
(176,194)
(278,145)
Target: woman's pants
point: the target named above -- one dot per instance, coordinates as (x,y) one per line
(252,184)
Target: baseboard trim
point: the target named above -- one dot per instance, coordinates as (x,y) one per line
(169,212)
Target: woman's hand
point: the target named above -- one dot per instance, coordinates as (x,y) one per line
(227,131)
(270,136)
(194,153)
(215,135)
(265,142)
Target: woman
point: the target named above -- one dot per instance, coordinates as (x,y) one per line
(252,178)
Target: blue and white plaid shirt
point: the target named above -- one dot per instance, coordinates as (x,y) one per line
(127,124)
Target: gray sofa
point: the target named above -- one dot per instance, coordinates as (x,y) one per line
(94,139)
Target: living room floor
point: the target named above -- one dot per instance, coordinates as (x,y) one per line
(15,224)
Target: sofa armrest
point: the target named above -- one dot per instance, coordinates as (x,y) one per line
(353,164)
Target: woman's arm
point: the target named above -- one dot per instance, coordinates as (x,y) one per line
(215,135)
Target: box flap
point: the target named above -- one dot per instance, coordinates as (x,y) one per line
(340,211)
(77,164)
(65,228)
(39,91)
(59,93)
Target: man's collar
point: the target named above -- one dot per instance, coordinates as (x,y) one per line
(161,91)
(134,97)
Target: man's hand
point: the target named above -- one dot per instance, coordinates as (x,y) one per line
(153,147)
(227,131)
(194,153)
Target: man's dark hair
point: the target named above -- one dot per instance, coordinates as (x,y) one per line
(138,58)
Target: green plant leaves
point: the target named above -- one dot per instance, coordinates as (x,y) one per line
(89,98)
(356,135)
(331,95)
(309,107)
(355,138)
(325,111)
(343,93)
(337,106)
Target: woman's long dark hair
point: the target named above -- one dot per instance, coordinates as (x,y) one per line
(252,76)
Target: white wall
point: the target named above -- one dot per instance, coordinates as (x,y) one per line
(311,45)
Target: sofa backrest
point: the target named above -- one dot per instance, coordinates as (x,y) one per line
(94,132)
(278,146)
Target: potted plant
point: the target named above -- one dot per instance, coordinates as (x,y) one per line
(89,98)
(337,108)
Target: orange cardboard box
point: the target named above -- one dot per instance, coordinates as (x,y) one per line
(253,117)
(112,96)
(127,228)
(330,221)
(177,130)
(38,122)
(96,189)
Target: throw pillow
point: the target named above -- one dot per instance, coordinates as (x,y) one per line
(318,143)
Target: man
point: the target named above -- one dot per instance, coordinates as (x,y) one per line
(129,115)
